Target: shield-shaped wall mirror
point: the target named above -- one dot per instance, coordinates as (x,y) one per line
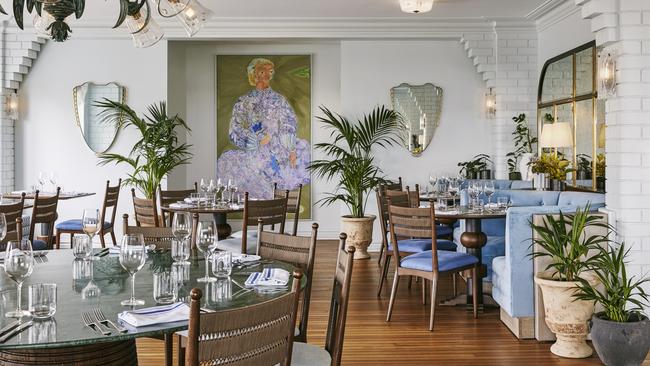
(98,135)
(420,107)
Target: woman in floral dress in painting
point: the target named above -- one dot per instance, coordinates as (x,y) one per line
(264,128)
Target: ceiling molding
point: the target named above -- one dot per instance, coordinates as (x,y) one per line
(305,28)
(544,8)
(553,15)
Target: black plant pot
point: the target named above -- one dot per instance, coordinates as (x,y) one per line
(514,176)
(620,344)
(485,174)
(471,175)
(583,175)
(600,184)
(557,185)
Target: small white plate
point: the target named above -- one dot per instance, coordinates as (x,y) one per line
(245,258)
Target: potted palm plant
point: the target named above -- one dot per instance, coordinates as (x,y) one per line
(570,250)
(620,333)
(156,153)
(350,160)
(524,142)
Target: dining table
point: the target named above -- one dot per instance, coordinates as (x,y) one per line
(84,285)
(219,213)
(63,196)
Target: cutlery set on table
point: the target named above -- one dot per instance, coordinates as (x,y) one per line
(97,321)
(14,328)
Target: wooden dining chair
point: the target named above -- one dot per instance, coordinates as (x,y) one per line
(161,237)
(13,217)
(300,252)
(293,203)
(427,265)
(167,197)
(75,226)
(272,212)
(312,355)
(445,228)
(392,186)
(146,211)
(44,213)
(260,334)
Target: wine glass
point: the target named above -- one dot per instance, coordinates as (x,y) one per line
(212,186)
(3,227)
(231,182)
(233,195)
(41,180)
(90,224)
(454,188)
(19,264)
(181,225)
(205,240)
(53,181)
(488,189)
(220,189)
(433,180)
(132,258)
(204,185)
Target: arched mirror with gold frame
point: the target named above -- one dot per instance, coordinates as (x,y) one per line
(567,93)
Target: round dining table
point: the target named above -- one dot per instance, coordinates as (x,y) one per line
(84,285)
(220,214)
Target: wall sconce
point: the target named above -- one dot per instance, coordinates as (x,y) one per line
(490,105)
(11,106)
(606,75)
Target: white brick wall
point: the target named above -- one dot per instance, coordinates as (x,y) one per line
(18,53)
(626,32)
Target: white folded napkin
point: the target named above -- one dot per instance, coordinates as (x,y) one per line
(449,212)
(180,205)
(245,258)
(268,277)
(156,315)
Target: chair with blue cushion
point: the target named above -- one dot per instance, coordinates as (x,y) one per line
(390,186)
(430,264)
(13,217)
(44,213)
(444,229)
(75,226)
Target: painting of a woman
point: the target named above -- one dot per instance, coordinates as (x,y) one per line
(263,129)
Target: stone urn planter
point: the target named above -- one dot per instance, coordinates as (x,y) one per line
(566,316)
(359,231)
(620,344)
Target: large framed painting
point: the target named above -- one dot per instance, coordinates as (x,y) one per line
(264,123)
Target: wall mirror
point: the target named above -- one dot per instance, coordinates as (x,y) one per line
(567,94)
(420,107)
(98,135)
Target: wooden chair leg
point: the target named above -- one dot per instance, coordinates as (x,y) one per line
(58,239)
(434,288)
(393,293)
(424,291)
(410,280)
(113,237)
(381,253)
(475,284)
(181,352)
(453,283)
(169,348)
(101,239)
(384,273)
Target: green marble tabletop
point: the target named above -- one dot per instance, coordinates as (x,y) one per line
(75,289)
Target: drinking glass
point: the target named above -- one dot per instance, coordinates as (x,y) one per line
(164,288)
(206,235)
(480,205)
(488,189)
(182,225)
(220,188)
(433,180)
(53,180)
(180,250)
(42,300)
(454,188)
(81,247)
(502,203)
(3,227)
(41,180)
(220,291)
(132,258)
(82,272)
(181,278)
(19,264)
(212,186)
(90,224)
(233,190)
(204,185)
(222,264)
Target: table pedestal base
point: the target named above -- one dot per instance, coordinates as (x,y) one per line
(100,354)
(223,228)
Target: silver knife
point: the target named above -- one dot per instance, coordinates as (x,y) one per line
(9,327)
(14,332)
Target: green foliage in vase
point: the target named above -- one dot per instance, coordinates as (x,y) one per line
(600,165)
(523,141)
(584,163)
(554,165)
(156,153)
(622,297)
(563,240)
(472,167)
(350,156)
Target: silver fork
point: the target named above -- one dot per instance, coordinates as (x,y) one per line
(101,318)
(90,323)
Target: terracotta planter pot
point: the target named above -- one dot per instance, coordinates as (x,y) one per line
(566,316)
(359,231)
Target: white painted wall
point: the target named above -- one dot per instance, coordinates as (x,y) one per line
(47,137)
(563,35)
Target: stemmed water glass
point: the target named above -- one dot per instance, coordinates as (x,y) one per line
(41,180)
(181,225)
(204,185)
(454,188)
(233,191)
(488,189)
(19,264)
(53,180)
(433,180)
(205,241)
(473,191)
(90,224)
(220,188)
(133,255)
(3,227)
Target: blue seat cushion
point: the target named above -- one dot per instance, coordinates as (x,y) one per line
(421,245)
(75,225)
(39,245)
(444,230)
(447,261)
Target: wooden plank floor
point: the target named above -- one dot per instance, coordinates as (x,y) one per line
(458,339)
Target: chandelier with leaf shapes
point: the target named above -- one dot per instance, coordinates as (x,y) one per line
(51,17)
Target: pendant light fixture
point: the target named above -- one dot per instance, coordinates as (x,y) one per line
(416,6)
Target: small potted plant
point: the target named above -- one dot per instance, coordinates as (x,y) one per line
(584,169)
(350,161)
(554,167)
(620,333)
(477,168)
(564,242)
(523,149)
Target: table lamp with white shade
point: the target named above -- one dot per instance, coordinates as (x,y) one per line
(557,135)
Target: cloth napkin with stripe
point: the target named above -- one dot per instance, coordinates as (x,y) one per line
(268,277)
(156,315)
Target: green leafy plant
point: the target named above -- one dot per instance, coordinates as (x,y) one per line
(157,152)
(600,165)
(584,163)
(622,298)
(549,118)
(523,141)
(554,165)
(563,240)
(350,155)
(478,163)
